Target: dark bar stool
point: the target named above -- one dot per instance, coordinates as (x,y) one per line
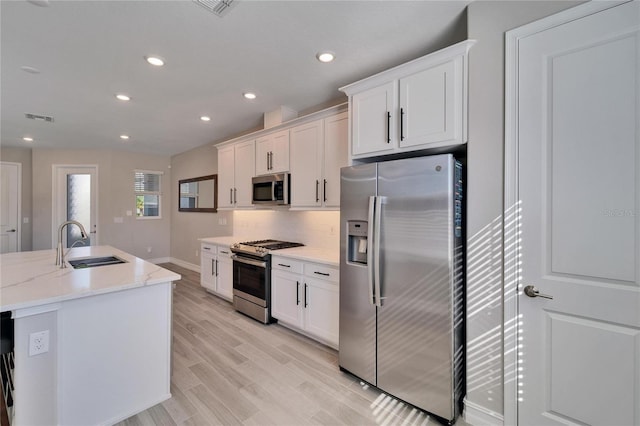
(6,363)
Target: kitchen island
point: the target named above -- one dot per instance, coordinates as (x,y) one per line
(109,336)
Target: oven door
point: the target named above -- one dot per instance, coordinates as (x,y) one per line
(250,279)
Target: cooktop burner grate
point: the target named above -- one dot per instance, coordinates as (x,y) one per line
(272,244)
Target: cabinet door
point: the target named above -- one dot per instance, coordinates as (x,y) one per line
(431,106)
(286,297)
(322,310)
(245,168)
(272,153)
(336,140)
(306,164)
(207,270)
(226,176)
(224,283)
(374,119)
(264,146)
(280,152)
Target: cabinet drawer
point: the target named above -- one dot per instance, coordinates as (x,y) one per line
(322,272)
(286,264)
(224,252)
(208,248)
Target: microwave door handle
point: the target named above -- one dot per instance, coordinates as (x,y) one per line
(370,232)
(376,249)
(273,191)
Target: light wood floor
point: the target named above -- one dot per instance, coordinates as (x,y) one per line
(231,370)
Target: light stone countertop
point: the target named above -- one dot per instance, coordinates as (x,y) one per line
(311,254)
(29,279)
(222,241)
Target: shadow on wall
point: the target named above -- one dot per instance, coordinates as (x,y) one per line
(491,286)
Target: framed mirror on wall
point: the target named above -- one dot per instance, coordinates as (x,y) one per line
(198,194)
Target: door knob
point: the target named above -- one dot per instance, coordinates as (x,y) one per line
(531,291)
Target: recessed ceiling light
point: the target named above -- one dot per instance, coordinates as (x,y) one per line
(30,70)
(41,3)
(205,118)
(249,95)
(326,56)
(27,139)
(123,97)
(124,137)
(155,60)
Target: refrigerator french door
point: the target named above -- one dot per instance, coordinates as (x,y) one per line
(401,280)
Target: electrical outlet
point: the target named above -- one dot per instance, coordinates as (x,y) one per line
(38,342)
(148,249)
(197,253)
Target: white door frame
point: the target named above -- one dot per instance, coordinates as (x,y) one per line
(511,223)
(55,201)
(19,201)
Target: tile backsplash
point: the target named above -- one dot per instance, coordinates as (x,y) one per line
(313,228)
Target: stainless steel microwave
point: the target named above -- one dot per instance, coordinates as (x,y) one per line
(271,189)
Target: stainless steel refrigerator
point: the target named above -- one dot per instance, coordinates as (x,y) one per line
(401,280)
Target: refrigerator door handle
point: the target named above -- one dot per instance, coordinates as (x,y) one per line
(379,201)
(370,232)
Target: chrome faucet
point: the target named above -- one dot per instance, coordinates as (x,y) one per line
(60,249)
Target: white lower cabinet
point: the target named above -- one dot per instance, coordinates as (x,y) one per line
(305,296)
(216,270)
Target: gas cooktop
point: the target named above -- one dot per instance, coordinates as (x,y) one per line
(262,247)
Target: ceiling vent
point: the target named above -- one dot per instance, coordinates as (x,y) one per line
(39,117)
(218,7)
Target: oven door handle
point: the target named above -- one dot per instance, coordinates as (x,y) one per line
(249,261)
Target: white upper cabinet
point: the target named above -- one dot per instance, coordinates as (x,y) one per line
(336,141)
(431,105)
(236,167)
(312,148)
(226,176)
(318,151)
(373,115)
(272,153)
(418,105)
(306,164)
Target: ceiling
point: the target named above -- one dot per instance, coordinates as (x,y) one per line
(86,52)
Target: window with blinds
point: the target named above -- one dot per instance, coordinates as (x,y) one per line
(147,186)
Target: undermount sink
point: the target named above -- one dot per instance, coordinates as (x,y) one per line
(92,262)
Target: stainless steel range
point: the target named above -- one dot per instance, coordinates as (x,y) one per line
(252,276)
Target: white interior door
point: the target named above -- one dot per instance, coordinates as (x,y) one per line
(75,198)
(579,188)
(10,187)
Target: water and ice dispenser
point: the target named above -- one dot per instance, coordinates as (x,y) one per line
(357,241)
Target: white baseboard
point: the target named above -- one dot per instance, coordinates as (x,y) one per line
(159,260)
(477,415)
(186,265)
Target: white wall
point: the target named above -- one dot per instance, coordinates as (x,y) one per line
(487,23)
(187,227)
(115,197)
